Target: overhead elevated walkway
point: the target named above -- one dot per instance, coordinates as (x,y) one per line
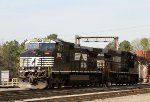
(9,82)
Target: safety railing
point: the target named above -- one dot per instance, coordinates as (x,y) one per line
(9,82)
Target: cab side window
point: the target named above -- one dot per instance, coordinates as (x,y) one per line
(60,47)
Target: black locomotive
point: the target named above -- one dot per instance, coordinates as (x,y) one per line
(56,63)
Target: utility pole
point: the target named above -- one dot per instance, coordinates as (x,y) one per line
(97,38)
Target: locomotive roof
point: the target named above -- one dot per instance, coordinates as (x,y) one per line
(84,47)
(44,40)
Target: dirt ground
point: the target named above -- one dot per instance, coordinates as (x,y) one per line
(132,98)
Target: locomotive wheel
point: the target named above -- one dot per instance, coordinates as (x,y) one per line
(59,85)
(27,85)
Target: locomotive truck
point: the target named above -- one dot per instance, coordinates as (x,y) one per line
(49,63)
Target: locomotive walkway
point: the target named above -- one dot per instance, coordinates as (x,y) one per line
(72,94)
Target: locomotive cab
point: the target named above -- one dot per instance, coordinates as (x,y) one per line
(36,62)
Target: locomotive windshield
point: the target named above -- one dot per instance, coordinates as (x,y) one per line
(42,46)
(46,46)
(31,46)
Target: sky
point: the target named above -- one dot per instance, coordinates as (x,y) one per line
(25,19)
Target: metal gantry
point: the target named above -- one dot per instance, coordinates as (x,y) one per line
(97,38)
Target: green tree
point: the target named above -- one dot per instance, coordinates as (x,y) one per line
(145,43)
(1,58)
(52,36)
(125,46)
(22,45)
(11,53)
(110,45)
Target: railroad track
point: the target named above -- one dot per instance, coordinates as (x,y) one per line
(71,94)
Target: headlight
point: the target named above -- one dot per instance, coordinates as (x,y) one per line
(32,70)
(39,68)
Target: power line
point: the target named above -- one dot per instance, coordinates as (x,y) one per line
(126,28)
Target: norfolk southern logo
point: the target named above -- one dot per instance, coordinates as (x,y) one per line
(33,61)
